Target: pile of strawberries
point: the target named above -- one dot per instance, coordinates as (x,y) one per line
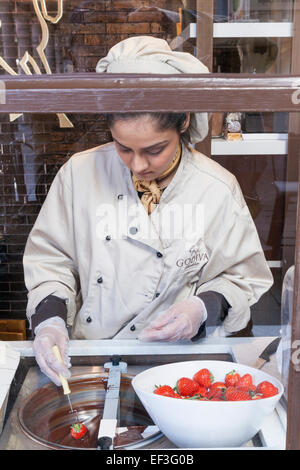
(202,387)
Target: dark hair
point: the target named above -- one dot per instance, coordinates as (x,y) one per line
(164,121)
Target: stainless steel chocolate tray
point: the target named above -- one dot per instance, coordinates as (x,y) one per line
(38,415)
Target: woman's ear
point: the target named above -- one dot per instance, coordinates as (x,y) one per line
(186,123)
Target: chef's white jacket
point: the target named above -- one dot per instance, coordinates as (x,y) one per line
(94,245)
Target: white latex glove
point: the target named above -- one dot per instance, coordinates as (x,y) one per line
(181,321)
(49,333)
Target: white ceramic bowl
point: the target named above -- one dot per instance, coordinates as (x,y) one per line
(203,424)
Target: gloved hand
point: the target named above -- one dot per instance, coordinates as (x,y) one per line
(181,321)
(49,333)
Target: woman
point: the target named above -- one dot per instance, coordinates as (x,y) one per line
(142,237)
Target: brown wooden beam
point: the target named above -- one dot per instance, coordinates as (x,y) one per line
(293,411)
(288,251)
(204,52)
(205,30)
(95,93)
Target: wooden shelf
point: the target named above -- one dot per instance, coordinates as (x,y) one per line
(274,264)
(251,30)
(237,30)
(252,144)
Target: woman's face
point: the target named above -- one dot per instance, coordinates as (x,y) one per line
(146,150)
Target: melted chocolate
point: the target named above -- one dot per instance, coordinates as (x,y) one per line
(46,417)
(133,434)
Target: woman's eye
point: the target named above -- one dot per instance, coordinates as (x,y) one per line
(152,153)
(156,152)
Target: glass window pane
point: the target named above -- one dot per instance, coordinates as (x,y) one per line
(252,37)
(253,10)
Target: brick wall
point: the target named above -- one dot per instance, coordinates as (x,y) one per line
(34,146)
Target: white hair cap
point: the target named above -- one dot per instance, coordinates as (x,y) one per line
(147,54)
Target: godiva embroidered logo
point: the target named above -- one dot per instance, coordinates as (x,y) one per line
(195,258)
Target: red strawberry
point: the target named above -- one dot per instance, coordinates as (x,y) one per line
(256,397)
(217,390)
(245,383)
(165,390)
(186,387)
(216,395)
(204,377)
(196,396)
(201,391)
(228,391)
(267,389)
(252,388)
(78,430)
(232,378)
(232,394)
(217,385)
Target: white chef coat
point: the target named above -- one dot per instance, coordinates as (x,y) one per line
(94,245)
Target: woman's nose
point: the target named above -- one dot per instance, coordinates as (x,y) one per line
(139,164)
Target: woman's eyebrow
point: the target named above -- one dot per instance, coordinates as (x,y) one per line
(145,148)
(156,145)
(121,144)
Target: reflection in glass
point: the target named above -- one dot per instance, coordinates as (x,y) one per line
(34,147)
(284,351)
(253,10)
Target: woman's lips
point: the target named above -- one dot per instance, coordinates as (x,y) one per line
(144,174)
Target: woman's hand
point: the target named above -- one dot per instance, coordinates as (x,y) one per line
(181,321)
(49,333)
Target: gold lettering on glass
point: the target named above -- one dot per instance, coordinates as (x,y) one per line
(27,59)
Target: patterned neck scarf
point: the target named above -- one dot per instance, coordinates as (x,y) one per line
(152,190)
